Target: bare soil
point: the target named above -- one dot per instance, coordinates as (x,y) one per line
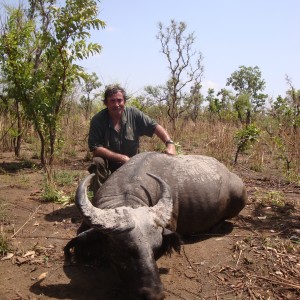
(253,256)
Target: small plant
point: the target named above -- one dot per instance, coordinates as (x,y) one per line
(4,246)
(63,199)
(245,139)
(2,171)
(275,198)
(159,147)
(293,176)
(2,210)
(51,194)
(178,148)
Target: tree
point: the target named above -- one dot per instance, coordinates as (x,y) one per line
(285,114)
(226,99)
(245,138)
(242,105)
(185,66)
(9,131)
(15,36)
(248,81)
(39,49)
(214,105)
(194,101)
(90,84)
(294,101)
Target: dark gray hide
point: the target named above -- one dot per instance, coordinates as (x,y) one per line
(136,208)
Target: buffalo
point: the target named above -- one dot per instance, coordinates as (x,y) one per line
(144,207)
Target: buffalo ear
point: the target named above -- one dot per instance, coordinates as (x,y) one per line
(171,242)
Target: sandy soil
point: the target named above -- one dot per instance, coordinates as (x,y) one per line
(253,256)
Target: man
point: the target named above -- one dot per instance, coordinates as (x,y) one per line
(114,134)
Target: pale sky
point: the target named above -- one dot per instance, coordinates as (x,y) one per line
(229,33)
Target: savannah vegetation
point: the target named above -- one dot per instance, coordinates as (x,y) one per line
(47,98)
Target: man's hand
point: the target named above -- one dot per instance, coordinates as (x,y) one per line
(123,158)
(165,138)
(170,149)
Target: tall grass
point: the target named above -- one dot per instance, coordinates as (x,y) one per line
(4,244)
(202,137)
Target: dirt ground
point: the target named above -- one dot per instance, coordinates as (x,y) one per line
(253,256)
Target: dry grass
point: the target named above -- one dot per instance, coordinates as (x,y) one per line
(206,137)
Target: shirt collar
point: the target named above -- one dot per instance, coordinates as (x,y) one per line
(124,117)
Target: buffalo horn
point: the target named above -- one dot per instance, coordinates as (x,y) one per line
(164,207)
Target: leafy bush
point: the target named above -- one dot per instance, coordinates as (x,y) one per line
(245,138)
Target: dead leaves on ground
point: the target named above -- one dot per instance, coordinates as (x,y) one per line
(38,256)
(264,268)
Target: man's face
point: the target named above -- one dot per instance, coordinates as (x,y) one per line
(115,105)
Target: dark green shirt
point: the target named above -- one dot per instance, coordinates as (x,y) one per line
(134,125)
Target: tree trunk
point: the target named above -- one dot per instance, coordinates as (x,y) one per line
(248,118)
(18,140)
(237,154)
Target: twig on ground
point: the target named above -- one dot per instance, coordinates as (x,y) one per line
(251,293)
(195,270)
(30,217)
(239,258)
(247,226)
(282,282)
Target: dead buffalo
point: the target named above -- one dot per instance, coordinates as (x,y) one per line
(138,213)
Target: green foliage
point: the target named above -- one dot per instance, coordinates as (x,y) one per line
(293,176)
(38,59)
(63,177)
(214,104)
(135,102)
(246,137)
(287,110)
(274,198)
(284,131)
(193,101)
(90,85)
(243,106)
(160,147)
(247,80)
(178,148)
(4,245)
(58,190)
(52,194)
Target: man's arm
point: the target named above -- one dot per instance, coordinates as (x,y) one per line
(110,155)
(165,138)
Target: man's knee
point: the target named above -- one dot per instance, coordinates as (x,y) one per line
(99,166)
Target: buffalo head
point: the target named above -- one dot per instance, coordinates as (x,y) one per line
(132,238)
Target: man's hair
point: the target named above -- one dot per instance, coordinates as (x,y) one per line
(113,89)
